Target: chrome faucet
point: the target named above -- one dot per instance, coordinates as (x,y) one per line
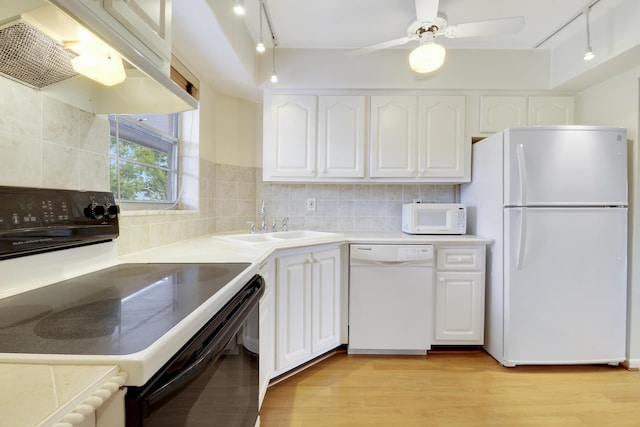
(263,224)
(285,223)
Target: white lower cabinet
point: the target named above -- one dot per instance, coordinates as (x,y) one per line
(459,295)
(308,293)
(267,328)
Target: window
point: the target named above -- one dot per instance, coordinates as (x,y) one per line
(144,158)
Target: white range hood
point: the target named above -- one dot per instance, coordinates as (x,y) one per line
(147,88)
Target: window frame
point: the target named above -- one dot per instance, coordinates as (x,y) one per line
(152,138)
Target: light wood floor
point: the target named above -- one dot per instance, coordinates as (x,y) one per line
(455,388)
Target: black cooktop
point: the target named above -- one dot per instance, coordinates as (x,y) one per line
(115,311)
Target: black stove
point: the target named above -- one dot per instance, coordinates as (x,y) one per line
(35,220)
(115,311)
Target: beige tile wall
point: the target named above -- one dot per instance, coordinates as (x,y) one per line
(46,143)
(346,207)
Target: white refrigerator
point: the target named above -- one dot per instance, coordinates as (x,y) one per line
(554,200)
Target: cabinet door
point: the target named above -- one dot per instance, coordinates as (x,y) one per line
(501,112)
(149,20)
(460,259)
(267,328)
(459,308)
(550,110)
(442,151)
(393,136)
(293,317)
(341,139)
(291,140)
(325,333)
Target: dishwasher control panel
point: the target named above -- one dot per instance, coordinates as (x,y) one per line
(391,253)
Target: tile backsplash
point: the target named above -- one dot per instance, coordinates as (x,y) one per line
(346,207)
(47,143)
(239,192)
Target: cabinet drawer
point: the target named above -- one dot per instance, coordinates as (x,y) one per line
(459,259)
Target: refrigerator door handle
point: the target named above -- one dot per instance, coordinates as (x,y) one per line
(522,174)
(522,241)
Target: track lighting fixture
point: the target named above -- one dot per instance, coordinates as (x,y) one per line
(274,76)
(260,46)
(588,54)
(238,8)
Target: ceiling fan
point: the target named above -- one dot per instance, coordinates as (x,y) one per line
(429,24)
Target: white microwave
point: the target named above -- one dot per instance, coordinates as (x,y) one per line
(434,218)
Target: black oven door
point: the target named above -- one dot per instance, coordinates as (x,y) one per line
(213,379)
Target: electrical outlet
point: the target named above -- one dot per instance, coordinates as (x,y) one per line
(311,204)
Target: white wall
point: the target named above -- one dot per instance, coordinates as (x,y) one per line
(389,69)
(229,128)
(615,102)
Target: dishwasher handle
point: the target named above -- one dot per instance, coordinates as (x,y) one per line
(363,262)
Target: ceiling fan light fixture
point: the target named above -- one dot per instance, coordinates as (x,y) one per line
(427,57)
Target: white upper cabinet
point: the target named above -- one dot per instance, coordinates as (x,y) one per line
(341,136)
(138,28)
(442,151)
(290,140)
(421,138)
(501,112)
(550,110)
(149,20)
(393,136)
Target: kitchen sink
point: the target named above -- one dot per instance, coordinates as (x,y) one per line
(247,238)
(299,234)
(252,238)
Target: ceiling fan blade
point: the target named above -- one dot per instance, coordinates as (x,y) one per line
(427,10)
(379,46)
(485,28)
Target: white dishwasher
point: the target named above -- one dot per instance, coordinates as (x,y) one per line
(390,299)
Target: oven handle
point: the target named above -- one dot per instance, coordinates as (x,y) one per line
(209,354)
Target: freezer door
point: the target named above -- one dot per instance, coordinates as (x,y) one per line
(563,166)
(565,285)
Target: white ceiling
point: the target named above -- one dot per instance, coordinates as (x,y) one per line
(352,24)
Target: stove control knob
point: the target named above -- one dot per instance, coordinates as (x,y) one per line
(94,211)
(113,211)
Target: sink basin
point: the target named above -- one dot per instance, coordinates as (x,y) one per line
(252,238)
(247,238)
(299,234)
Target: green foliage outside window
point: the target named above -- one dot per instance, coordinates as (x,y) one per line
(141,170)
